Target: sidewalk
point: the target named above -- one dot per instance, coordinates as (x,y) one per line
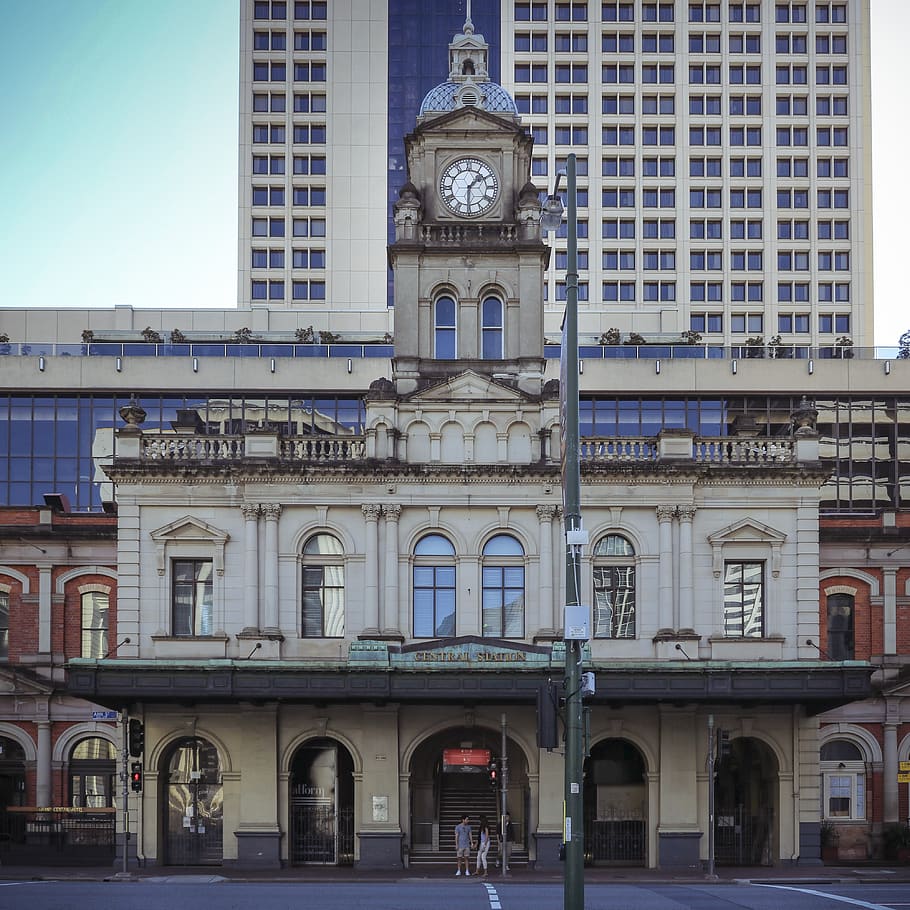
(801,875)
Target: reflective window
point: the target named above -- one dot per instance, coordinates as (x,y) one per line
(503,588)
(191,600)
(614,587)
(492,329)
(840,643)
(434,587)
(323,588)
(444,329)
(743,599)
(95,607)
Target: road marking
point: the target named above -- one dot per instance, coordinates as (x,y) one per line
(832,897)
(7,884)
(493,896)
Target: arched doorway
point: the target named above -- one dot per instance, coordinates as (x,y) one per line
(745,804)
(322,804)
(193,804)
(450,777)
(12,792)
(616,805)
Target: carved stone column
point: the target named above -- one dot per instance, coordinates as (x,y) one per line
(391,619)
(272,512)
(45,592)
(665,515)
(889,772)
(686,570)
(546,618)
(251,569)
(371,513)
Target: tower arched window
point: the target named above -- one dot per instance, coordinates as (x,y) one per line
(503,587)
(491,328)
(840,627)
(95,610)
(444,334)
(322,614)
(434,587)
(614,587)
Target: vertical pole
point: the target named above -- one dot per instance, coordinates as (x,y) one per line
(574,886)
(125,777)
(503,797)
(711,753)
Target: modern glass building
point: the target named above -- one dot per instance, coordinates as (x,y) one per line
(723,152)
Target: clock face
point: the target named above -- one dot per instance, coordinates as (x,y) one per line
(469,186)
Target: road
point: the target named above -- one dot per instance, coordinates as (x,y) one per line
(169,893)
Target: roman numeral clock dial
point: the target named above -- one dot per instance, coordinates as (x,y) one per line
(469,187)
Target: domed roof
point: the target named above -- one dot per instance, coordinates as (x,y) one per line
(490,97)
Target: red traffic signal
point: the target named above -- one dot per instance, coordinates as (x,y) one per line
(493,769)
(136,777)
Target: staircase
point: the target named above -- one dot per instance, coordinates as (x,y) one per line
(465,794)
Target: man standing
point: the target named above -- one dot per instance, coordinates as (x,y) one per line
(464,841)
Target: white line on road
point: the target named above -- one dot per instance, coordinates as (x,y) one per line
(7,884)
(833,897)
(494,897)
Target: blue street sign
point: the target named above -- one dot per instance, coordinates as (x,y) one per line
(104,715)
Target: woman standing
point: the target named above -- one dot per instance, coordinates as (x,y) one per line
(483,845)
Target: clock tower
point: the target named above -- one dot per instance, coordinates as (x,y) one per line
(468,257)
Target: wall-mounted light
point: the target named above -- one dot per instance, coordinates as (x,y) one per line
(811,367)
(119,364)
(350,365)
(581,366)
(733,367)
(887,367)
(657,367)
(41,363)
(272,365)
(195,364)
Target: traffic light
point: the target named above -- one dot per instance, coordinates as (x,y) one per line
(493,768)
(547,713)
(136,777)
(723,743)
(136,738)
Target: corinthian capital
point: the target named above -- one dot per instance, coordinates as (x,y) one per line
(547,512)
(392,511)
(250,511)
(666,513)
(271,510)
(371,511)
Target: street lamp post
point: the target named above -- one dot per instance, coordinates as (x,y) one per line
(573,826)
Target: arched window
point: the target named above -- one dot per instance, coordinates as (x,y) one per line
(840,626)
(503,588)
(444,336)
(93,774)
(491,329)
(434,587)
(614,587)
(323,587)
(95,605)
(12,773)
(843,781)
(4,625)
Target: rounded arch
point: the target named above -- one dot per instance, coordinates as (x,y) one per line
(448,287)
(640,743)
(306,531)
(167,742)
(455,537)
(859,575)
(10,731)
(18,576)
(501,288)
(69,575)
(287,757)
(859,736)
(72,735)
(529,754)
(634,538)
(784,766)
(486,442)
(452,442)
(487,533)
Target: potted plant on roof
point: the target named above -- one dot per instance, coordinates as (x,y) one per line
(903,352)
(150,336)
(610,337)
(844,347)
(755,347)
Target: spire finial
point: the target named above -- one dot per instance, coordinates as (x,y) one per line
(468,24)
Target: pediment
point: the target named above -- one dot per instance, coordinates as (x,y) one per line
(469,118)
(747,530)
(467,386)
(190,529)
(18,683)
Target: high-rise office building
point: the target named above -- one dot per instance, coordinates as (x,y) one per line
(723,152)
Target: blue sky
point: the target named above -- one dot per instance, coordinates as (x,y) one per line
(120,131)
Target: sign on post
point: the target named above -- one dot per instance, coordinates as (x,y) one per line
(104,715)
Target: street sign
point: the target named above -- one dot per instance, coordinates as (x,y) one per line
(903,766)
(104,715)
(903,777)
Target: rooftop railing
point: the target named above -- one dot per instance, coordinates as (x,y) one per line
(357,351)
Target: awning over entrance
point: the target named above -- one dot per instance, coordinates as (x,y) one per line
(817,685)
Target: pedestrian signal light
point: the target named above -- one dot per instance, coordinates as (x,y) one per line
(136,738)
(136,777)
(494,774)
